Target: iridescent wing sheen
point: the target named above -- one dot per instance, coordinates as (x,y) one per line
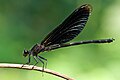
(70,28)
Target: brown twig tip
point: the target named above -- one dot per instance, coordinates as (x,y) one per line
(29,67)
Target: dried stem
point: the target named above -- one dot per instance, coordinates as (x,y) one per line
(29,67)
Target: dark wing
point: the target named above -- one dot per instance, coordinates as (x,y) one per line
(70,28)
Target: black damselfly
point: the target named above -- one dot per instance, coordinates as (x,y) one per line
(65,32)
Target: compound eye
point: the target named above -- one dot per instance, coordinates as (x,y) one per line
(25,53)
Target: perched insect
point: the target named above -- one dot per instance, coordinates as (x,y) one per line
(65,32)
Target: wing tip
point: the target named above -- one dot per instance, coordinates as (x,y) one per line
(87,7)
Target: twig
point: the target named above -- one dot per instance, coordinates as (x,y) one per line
(29,67)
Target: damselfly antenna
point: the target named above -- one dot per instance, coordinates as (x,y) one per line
(65,32)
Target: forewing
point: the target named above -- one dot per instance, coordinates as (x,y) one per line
(70,28)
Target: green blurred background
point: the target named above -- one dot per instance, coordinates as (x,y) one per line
(24,23)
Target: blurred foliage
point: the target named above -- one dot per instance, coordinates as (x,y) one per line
(24,23)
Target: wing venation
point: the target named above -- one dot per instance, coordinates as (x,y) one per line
(70,28)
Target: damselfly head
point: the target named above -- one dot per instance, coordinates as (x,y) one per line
(25,53)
